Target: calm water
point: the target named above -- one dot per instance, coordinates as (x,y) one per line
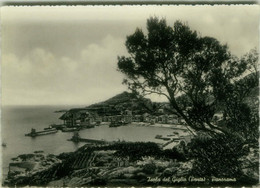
(16,121)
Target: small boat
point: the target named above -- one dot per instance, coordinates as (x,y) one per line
(70,129)
(165,138)
(158,136)
(89,126)
(124,123)
(115,124)
(98,123)
(33,132)
(49,128)
(56,126)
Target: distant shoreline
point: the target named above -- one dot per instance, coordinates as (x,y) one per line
(163,125)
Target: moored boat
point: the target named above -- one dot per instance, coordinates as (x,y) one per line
(165,138)
(115,124)
(88,126)
(158,136)
(70,129)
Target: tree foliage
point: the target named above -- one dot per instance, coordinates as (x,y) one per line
(174,61)
(218,157)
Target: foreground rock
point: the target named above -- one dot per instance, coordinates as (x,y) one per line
(118,164)
(32,169)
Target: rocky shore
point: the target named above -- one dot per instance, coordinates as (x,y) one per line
(31,168)
(117,164)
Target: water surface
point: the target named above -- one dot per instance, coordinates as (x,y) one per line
(16,121)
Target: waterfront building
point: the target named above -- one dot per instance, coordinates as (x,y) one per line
(146,117)
(79,117)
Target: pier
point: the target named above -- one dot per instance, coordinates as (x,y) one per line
(76,138)
(33,132)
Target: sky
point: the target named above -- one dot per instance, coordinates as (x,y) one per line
(68,55)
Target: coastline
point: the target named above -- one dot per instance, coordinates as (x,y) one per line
(136,170)
(94,142)
(116,164)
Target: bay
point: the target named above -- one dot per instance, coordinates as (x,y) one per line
(18,120)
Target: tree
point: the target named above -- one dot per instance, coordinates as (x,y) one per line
(176,61)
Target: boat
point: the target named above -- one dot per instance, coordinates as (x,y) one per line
(4,144)
(124,123)
(50,127)
(98,123)
(56,126)
(88,126)
(33,132)
(115,124)
(69,129)
(158,136)
(165,138)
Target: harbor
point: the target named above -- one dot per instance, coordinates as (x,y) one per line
(166,141)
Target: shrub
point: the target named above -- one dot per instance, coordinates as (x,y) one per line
(217,156)
(174,154)
(136,150)
(149,168)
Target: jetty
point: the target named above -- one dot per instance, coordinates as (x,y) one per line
(34,133)
(76,138)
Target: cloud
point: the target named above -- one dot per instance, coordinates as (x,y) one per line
(89,78)
(68,55)
(103,57)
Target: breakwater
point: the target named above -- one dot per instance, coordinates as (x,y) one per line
(88,140)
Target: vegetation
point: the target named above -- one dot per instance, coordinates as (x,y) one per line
(218,157)
(174,61)
(200,77)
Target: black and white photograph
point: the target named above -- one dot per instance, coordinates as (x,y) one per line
(151,95)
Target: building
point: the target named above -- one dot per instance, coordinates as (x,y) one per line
(79,117)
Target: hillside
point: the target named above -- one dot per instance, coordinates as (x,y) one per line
(118,99)
(140,105)
(121,102)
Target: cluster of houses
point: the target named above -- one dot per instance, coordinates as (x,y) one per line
(84,117)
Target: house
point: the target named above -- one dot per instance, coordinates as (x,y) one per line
(146,117)
(137,118)
(163,119)
(127,116)
(173,119)
(79,117)
(70,117)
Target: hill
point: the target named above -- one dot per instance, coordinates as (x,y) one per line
(121,102)
(140,105)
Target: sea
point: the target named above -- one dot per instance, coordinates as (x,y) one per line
(16,121)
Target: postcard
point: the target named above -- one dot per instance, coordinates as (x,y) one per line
(151,95)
